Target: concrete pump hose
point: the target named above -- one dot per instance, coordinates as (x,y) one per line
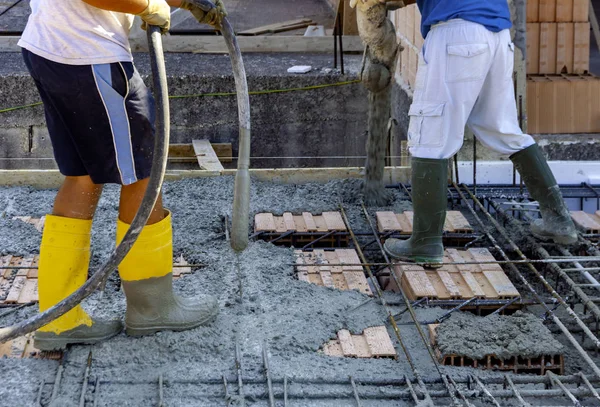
(157,175)
(241,198)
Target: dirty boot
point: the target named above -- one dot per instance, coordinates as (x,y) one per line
(556,223)
(147,279)
(63,268)
(429,194)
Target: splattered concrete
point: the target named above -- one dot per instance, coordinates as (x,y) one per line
(475,337)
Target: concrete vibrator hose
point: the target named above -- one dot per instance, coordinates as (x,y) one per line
(239,239)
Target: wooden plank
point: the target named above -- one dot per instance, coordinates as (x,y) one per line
(449,283)
(564,11)
(581,11)
(457,222)
(350,23)
(303,276)
(548,32)
(361,347)
(405,225)
(278,27)
(185,152)
(533,11)
(13,349)
(264,222)
(585,221)
(387,222)
(456,256)
(472,284)
(29,293)
(326,278)
(332,258)
(309,221)
(25,262)
(15,290)
(483,255)
(334,221)
(533,48)
(379,342)
(433,333)
(564,49)
(207,157)
(547,11)
(346,343)
(288,220)
(356,280)
(300,224)
(321,224)
(5,261)
(333,348)
(349,256)
(581,59)
(501,283)
(419,284)
(180,267)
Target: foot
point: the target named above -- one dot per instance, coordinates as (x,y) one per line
(99,331)
(429,255)
(563,233)
(181,314)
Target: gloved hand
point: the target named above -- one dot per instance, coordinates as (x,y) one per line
(366,4)
(157,13)
(205,11)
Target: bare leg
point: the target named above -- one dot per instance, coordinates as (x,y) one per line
(77,198)
(131,197)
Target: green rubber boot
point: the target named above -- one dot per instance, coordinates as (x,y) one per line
(556,223)
(429,195)
(152,307)
(99,331)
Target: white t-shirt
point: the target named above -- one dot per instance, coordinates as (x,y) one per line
(75,33)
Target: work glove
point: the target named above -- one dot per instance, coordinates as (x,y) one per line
(157,13)
(366,4)
(205,11)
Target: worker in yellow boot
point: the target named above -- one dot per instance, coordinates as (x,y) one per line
(100,118)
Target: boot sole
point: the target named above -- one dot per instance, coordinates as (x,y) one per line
(151,330)
(425,262)
(58,344)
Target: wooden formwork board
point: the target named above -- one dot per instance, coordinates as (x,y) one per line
(374,342)
(181,267)
(22,348)
(462,281)
(403,222)
(517,364)
(37,222)
(303,228)
(315,267)
(20,287)
(588,222)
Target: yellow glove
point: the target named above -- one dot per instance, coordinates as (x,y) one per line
(205,11)
(157,13)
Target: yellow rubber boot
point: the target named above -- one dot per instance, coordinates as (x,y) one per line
(147,279)
(63,268)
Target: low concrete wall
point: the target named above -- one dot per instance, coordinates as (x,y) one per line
(329,122)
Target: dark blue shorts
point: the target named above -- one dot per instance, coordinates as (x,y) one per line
(100,118)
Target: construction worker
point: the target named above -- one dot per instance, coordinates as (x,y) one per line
(100,118)
(465,77)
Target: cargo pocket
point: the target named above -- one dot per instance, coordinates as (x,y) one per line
(426,125)
(466,62)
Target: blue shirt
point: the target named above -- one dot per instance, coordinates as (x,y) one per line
(493,14)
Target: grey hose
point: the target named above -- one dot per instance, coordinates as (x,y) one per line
(159,166)
(241,198)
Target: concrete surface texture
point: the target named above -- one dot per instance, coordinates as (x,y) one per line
(329,121)
(261,303)
(475,337)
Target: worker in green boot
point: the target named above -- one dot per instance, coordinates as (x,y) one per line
(100,118)
(465,79)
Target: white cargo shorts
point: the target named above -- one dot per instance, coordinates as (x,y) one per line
(464,79)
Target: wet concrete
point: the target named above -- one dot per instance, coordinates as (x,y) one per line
(261,303)
(475,337)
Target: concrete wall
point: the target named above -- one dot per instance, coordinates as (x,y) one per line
(323,122)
